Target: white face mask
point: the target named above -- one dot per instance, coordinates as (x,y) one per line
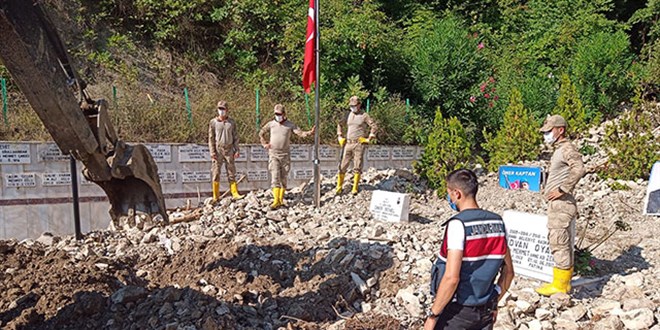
(279,119)
(548,137)
(354,108)
(222,113)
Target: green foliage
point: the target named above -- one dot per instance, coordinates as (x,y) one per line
(585,264)
(518,138)
(600,72)
(588,150)
(447,149)
(616,185)
(570,107)
(632,148)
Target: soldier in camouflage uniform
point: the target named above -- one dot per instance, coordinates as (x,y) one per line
(223,145)
(566,169)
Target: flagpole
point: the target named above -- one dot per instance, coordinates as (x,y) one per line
(317,174)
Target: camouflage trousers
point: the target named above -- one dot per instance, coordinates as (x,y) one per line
(353,151)
(562,213)
(226,157)
(279,164)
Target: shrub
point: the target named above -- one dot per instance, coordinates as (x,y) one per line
(570,107)
(447,149)
(632,148)
(517,139)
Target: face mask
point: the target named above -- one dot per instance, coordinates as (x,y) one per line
(354,109)
(548,137)
(279,119)
(222,113)
(451,204)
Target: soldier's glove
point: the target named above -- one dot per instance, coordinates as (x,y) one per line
(363,140)
(341,140)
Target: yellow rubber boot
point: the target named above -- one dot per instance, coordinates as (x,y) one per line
(281,196)
(561,282)
(356,181)
(216,191)
(276,198)
(233,187)
(340,183)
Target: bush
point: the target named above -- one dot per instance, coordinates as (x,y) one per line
(518,138)
(570,107)
(632,148)
(447,149)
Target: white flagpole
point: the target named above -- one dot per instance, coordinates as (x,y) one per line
(317,174)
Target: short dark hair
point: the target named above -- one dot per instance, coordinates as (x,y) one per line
(463,180)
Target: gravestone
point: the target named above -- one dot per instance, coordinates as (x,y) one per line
(389,206)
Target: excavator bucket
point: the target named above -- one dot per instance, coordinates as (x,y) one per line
(39,64)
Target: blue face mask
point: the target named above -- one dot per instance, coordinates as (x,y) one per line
(451,204)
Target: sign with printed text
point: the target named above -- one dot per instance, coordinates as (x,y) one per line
(404,152)
(527,237)
(303,174)
(18,180)
(195,176)
(242,154)
(14,153)
(162,153)
(191,153)
(420,153)
(258,153)
(520,177)
(378,153)
(167,176)
(328,153)
(652,199)
(329,173)
(389,206)
(55,179)
(257,175)
(299,152)
(50,153)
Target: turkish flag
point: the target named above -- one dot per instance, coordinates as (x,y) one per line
(309,65)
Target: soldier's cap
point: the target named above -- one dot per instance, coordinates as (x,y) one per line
(222,105)
(552,122)
(279,108)
(353,101)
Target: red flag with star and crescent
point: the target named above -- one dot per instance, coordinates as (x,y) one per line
(309,65)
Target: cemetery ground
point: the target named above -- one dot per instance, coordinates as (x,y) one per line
(243,266)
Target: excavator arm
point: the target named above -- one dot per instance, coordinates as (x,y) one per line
(30,48)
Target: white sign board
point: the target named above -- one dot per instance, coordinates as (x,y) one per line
(55,179)
(191,153)
(161,153)
(16,180)
(303,174)
(328,153)
(299,152)
(258,153)
(242,154)
(12,153)
(404,152)
(652,200)
(257,175)
(527,237)
(329,173)
(51,153)
(420,152)
(378,153)
(167,176)
(389,206)
(195,176)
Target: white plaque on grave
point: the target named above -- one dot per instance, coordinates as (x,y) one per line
(167,176)
(242,154)
(50,153)
(303,174)
(420,152)
(55,179)
(257,175)
(329,173)
(299,152)
(16,180)
(195,176)
(258,153)
(389,206)
(527,238)
(13,153)
(328,153)
(161,153)
(404,152)
(378,153)
(191,153)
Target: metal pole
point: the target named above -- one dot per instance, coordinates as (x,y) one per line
(76,206)
(3,82)
(317,176)
(258,119)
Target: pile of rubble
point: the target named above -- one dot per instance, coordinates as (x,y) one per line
(240,265)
